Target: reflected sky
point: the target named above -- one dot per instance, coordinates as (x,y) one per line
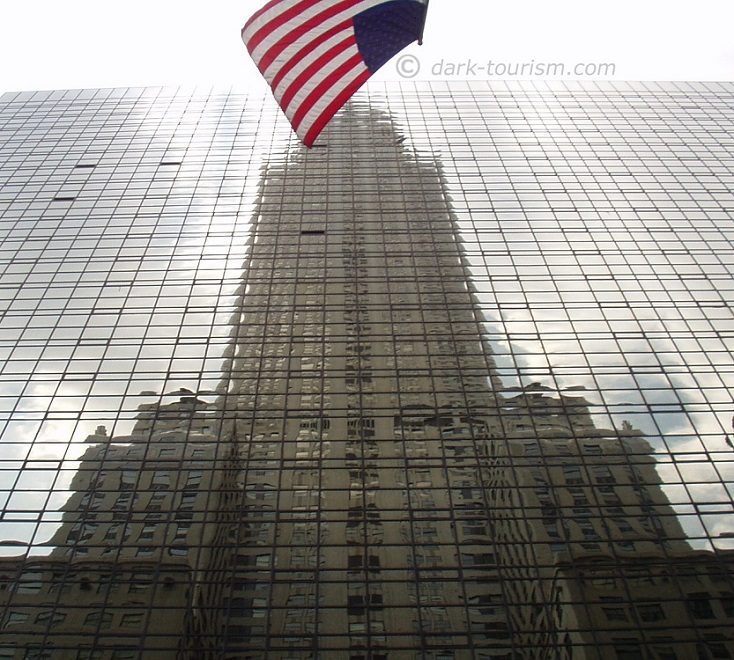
(122,255)
(598,227)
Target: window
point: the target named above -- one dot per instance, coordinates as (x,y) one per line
(727,604)
(132,620)
(651,612)
(125,654)
(16,617)
(718,650)
(128,478)
(699,606)
(101,619)
(30,583)
(628,650)
(140,582)
(572,474)
(51,617)
(88,654)
(615,613)
(161,480)
(664,653)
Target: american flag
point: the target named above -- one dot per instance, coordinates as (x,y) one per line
(315,54)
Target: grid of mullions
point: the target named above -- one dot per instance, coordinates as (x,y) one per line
(595,228)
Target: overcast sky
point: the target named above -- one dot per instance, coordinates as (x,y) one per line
(53,44)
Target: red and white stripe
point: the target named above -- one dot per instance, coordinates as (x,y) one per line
(307,51)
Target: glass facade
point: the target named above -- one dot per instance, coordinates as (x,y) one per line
(456,383)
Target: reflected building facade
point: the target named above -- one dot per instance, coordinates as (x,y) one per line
(361,479)
(128,555)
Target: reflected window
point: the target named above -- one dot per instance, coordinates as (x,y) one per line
(699,605)
(651,612)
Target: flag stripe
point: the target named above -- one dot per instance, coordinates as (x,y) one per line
(322,103)
(313,132)
(279,19)
(303,93)
(310,58)
(323,87)
(302,28)
(312,69)
(250,21)
(298,56)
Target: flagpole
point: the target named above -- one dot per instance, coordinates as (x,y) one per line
(423,27)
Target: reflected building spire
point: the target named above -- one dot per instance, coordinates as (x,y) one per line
(364,405)
(392,495)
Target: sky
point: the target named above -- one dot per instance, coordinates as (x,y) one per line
(58,44)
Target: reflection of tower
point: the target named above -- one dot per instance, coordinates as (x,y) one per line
(390,496)
(364,411)
(132,541)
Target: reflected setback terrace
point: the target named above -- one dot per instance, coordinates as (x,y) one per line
(468,396)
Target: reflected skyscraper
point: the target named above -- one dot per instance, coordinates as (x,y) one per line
(358,477)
